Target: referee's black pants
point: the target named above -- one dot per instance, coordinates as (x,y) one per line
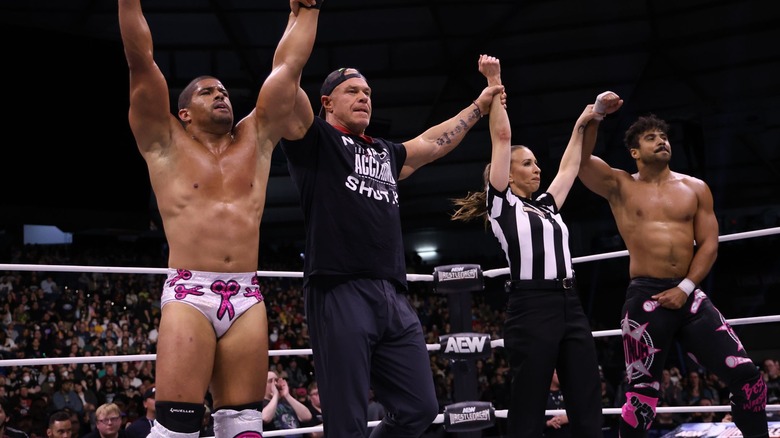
(546,330)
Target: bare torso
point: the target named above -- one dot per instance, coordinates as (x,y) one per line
(656,221)
(211,200)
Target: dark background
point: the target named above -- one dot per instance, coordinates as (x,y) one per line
(710,68)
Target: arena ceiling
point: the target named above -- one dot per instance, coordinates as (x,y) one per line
(710,67)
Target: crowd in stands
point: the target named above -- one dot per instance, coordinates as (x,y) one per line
(77,314)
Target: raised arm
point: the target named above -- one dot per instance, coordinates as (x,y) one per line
(500,129)
(594,172)
(282,105)
(150,117)
(269,411)
(439,140)
(570,161)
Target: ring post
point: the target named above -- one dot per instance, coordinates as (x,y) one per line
(461,346)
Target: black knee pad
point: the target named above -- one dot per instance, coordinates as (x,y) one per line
(180,417)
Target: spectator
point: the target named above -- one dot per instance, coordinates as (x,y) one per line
(33,349)
(771,374)
(6,285)
(28,381)
(50,289)
(22,402)
(89,400)
(38,417)
(313,404)
(108,422)
(141,427)
(281,410)
(7,345)
(621,389)
(132,395)
(702,417)
(301,394)
(295,375)
(60,425)
(676,376)
(154,332)
(610,422)
(671,392)
(7,431)
(92,385)
(110,374)
(663,423)
(720,387)
(695,389)
(3,390)
(132,375)
(556,425)
(7,318)
(107,392)
(66,397)
(77,423)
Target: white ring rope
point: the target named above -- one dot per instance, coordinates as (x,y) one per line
(431,347)
(301,351)
(615,254)
(294,274)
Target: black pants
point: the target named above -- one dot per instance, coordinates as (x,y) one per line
(649,332)
(365,334)
(546,330)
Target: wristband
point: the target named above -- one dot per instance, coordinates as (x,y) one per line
(687,286)
(600,107)
(316,5)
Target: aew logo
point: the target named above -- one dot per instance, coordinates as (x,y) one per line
(457,278)
(469,416)
(458,273)
(459,346)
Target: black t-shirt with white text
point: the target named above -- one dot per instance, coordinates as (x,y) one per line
(348,186)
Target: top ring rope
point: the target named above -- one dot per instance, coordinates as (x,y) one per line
(294,274)
(615,254)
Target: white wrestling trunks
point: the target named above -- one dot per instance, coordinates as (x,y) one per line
(220,297)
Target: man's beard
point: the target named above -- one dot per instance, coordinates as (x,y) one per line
(223,119)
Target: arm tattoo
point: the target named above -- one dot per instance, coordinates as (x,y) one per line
(446,138)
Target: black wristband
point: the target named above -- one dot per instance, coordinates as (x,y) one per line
(316,5)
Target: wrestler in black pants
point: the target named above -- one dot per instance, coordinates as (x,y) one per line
(648,335)
(545,330)
(364,332)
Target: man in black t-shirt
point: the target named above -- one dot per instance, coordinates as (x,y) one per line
(364,332)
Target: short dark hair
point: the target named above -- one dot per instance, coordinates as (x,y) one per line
(61,415)
(642,125)
(185,97)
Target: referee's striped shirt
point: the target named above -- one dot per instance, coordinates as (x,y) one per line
(532,235)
